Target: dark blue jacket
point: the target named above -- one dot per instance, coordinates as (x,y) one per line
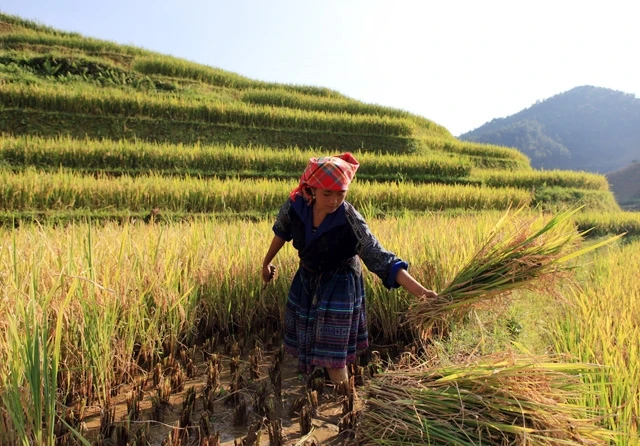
(341,237)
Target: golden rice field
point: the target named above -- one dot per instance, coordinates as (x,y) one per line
(543,178)
(136,156)
(141,156)
(33,189)
(600,324)
(284,98)
(121,296)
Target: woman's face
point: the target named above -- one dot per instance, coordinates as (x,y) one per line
(329,200)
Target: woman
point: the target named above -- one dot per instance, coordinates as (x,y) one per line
(325,317)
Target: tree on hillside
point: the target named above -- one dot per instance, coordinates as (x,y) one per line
(586,128)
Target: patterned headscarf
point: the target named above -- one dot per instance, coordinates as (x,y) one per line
(329,172)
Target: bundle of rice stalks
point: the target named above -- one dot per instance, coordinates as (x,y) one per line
(519,252)
(514,401)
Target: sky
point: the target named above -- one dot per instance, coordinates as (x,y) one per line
(458,63)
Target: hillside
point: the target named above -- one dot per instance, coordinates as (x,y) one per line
(96,129)
(625,184)
(586,128)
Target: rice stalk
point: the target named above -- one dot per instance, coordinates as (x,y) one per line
(518,253)
(30,389)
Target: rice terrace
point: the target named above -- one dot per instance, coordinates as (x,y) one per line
(137,197)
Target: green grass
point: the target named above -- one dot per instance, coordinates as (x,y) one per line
(178,68)
(554,198)
(114,101)
(78,125)
(66,68)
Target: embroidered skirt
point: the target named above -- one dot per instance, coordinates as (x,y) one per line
(325,318)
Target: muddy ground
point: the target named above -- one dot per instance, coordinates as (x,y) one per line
(227,396)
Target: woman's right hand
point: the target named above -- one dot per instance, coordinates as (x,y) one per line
(268,272)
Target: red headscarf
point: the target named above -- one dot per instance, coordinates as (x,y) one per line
(329,172)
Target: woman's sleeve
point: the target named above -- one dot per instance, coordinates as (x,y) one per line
(282,226)
(378,260)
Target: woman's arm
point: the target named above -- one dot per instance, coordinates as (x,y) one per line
(407,281)
(268,270)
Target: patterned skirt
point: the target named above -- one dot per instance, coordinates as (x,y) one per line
(325,319)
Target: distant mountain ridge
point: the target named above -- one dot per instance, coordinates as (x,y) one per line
(586,128)
(625,184)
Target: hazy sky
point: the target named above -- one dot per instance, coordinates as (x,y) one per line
(458,63)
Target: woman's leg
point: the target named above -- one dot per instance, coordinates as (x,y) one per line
(338,375)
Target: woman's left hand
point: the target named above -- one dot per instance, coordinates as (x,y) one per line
(413,286)
(428,294)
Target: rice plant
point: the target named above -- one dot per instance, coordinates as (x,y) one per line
(296,100)
(518,253)
(473,148)
(32,347)
(544,178)
(599,323)
(136,291)
(198,159)
(603,223)
(63,190)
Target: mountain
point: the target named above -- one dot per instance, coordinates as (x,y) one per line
(586,128)
(625,183)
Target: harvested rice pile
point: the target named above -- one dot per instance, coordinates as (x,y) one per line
(521,401)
